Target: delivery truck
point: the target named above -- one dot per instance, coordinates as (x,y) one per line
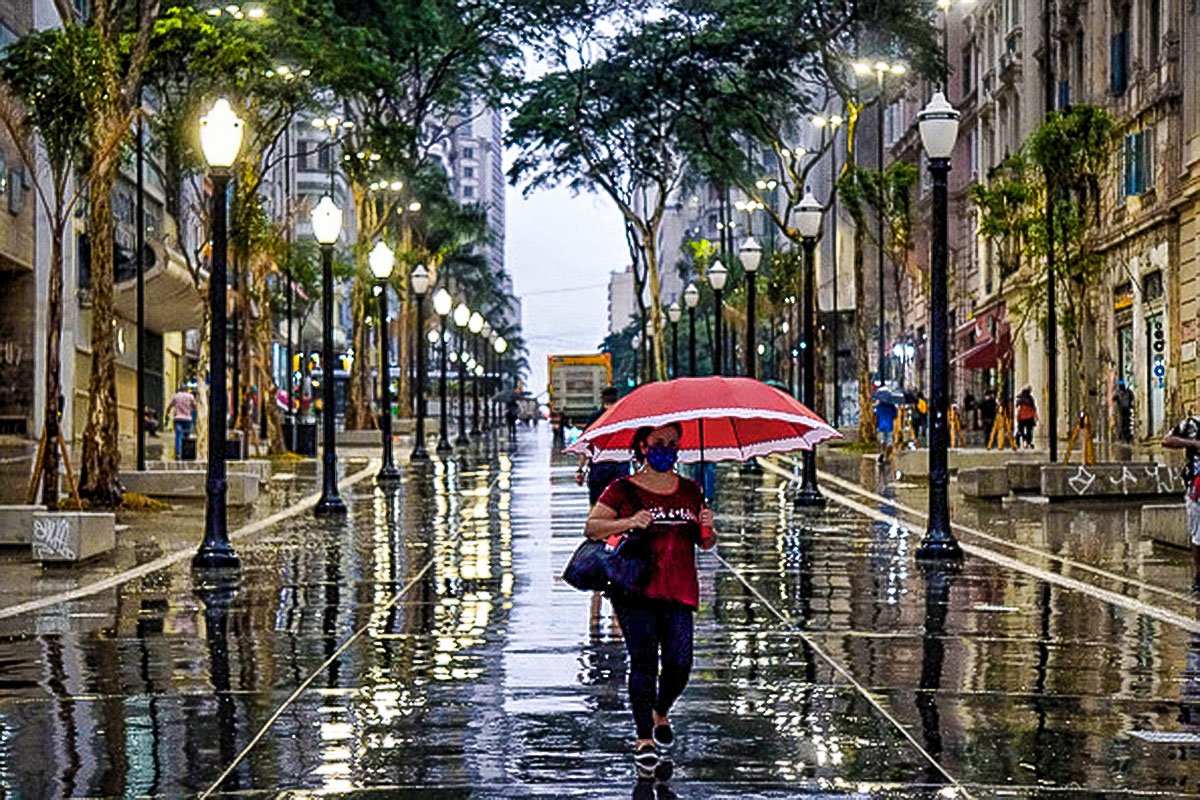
(575,385)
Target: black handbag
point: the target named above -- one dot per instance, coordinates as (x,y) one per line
(597,567)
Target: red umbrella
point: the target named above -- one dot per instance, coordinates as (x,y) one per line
(723,419)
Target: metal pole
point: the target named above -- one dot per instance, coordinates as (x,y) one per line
(833,217)
(216,552)
(331,503)
(1051,305)
(462,439)
(691,341)
(475,390)
(751,296)
(809,495)
(419,452)
(140,244)
(388,472)
(287,276)
(718,363)
(674,349)
(882,372)
(443,445)
(939,542)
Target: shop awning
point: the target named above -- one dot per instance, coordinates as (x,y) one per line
(173,302)
(983,355)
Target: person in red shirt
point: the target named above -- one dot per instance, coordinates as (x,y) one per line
(657,621)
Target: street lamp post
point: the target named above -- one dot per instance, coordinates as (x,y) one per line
(462,316)
(635,343)
(485,349)
(442,303)
(419,281)
(327,225)
(808,223)
(751,253)
(717,275)
(833,122)
(221,139)
(674,312)
(382,261)
(939,127)
(691,298)
(475,326)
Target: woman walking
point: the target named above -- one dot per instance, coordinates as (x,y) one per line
(656,622)
(1026,416)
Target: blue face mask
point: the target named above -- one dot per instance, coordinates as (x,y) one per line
(662,458)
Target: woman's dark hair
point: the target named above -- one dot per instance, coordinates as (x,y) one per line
(643,433)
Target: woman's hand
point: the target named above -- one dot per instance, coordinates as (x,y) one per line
(706,518)
(708,535)
(641,519)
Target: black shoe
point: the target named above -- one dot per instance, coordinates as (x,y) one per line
(665,770)
(646,760)
(664,735)
(1195,588)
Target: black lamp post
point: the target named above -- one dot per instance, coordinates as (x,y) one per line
(220,138)
(499,346)
(327,225)
(717,275)
(489,336)
(462,316)
(382,261)
(691,298)
(808,223)
(635,343)
(419,281)
(442,304)
(475,326)
(939,128)
(674,312)
(833,122)
(751,254)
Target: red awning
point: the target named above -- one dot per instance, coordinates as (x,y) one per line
(981,356)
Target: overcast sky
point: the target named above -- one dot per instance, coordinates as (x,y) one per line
(560,250)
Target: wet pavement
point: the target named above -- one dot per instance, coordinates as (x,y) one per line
(425,647)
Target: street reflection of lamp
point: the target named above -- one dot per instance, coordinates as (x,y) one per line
(382,261)
(938,122)
(485,349)
(674,313)
(462,317)
(419,281)
(751,255)
(691,299)
(500,346)
(808,224)
(442,303)
(717,275)
(327,226)
(475,326)
(221,133)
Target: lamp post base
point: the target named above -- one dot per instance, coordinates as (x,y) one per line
(419,453)
(444,447)
(939,546)
(388,474)
(216,558)
(463,440)
(330,506)
(809,497)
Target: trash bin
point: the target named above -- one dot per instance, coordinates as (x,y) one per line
(306,438)
(233,446)
(189,448)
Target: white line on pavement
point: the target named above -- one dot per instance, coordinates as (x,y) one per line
(172,559)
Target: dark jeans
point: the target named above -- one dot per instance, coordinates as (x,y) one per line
(1025,432)
(653,631)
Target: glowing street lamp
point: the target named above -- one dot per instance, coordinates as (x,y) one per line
(462,317)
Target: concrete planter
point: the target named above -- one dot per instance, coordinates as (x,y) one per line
(70,536)
(1127,479)
(16,524)
(1166,523)
(190,484)
(983,483)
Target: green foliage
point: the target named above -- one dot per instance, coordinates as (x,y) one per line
(1007,209)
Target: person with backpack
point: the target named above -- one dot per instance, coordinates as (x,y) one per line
(1186,436)
(669,513)
(1026,417)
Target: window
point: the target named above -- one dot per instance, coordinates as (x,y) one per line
(323,157)
(1137,165)
(1118,54)
(1152,286)
(303,149)
(468,152)
(967,72)
(468,191)
(7,37)
(468,172)
(1154,25)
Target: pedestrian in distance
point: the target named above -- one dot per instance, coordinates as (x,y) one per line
(1026,417)
(987,414)
(181,408)
(920,415)
(885,426)
(598,476)
(510,416)
(1123,403)
(1186,436)
(669,510)
(971,406)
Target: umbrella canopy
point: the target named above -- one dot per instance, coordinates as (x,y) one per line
(723,419)
(886,394)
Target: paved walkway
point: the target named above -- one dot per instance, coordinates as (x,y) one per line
(425,647)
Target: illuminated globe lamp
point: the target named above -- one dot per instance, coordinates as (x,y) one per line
(382,262)
(327,227)
(462,318)
(808,218)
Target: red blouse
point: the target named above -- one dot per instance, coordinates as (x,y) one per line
(672,538)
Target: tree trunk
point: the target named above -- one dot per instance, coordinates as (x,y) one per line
(258,344)
(656,312)
(358,396)
(866,411)
(99,480)
(52,423)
